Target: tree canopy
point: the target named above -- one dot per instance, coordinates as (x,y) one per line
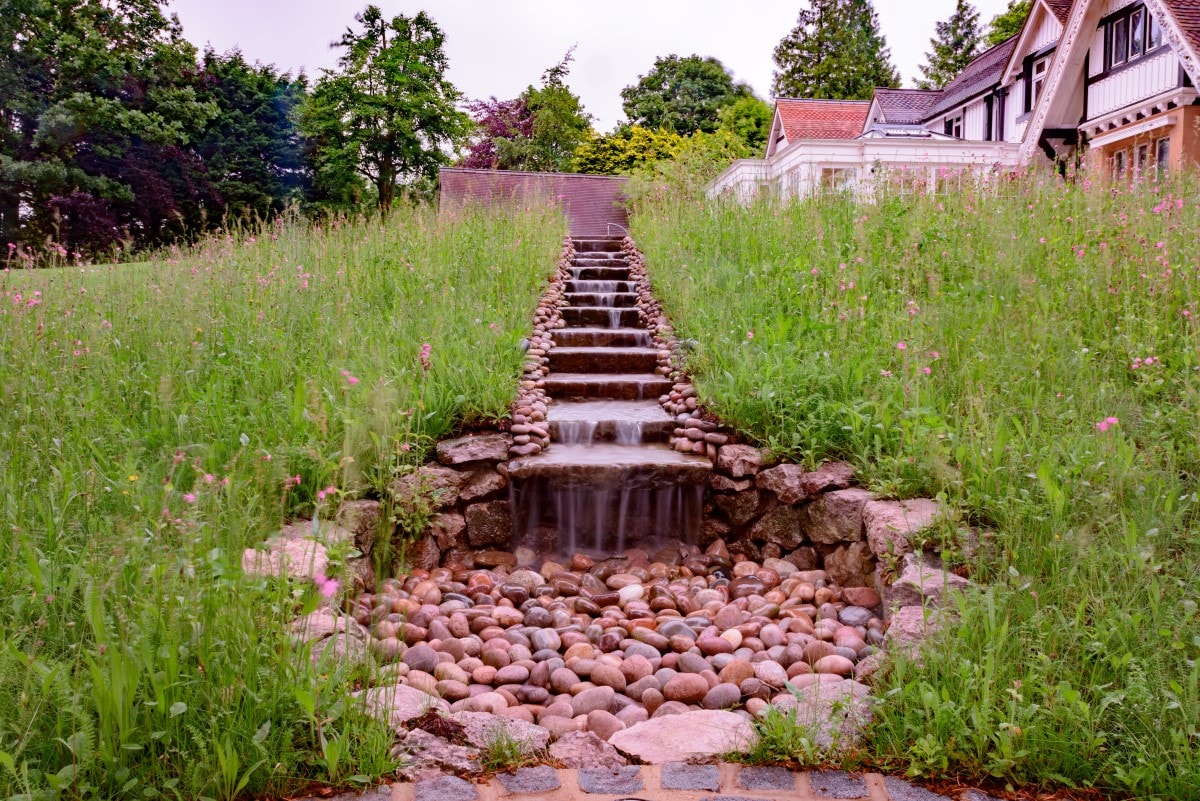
(540,130)
(1008,23)
(681,94)
(836,52)
(387,115)
(955,45)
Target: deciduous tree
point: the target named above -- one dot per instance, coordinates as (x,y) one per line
(387,115)
(836,51)
(1008,23)
(681,94)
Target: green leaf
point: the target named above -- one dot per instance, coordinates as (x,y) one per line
(178,708)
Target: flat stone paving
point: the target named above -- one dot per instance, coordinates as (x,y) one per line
(674,781)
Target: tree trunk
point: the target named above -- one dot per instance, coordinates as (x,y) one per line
(385,185)
(10,222)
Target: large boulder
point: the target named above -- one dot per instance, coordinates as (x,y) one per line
(851,564)
(781,526)
(439,485)
(482,728)
(449,528)
(891,525)
(324,622)
(362,519)
(739,461)
(687,735)
(474,448)
(397,704)
(834,713)
(423,553)
(922,580)
(909,627)
(290,558)
(489,523)
(429,756)
(583,750)
(837,516)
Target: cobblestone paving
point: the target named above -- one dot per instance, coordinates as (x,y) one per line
(674,781)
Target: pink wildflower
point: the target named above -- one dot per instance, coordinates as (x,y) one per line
(209,478)
(426,352)
(1107,423)
(190,497)
(902,345)
(926,370)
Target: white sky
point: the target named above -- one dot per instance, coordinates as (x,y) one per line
(498,47)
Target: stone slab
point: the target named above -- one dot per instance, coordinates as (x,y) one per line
(837,784)
(775,779)
(445,788)
(602,781)
(541,779)
(689,734)
(900,790)
(682,776)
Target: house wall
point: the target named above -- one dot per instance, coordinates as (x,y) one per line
(1048,31)
(1184,132)
(1144,79)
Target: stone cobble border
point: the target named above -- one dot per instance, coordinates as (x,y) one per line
(674,781)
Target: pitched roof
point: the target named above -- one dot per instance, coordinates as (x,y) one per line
(906,106)
(985,71)
(593,204)
(1061,9)
(1187,14)
(821,119)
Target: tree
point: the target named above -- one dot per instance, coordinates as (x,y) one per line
(954,46)
(682,95)
(496,120)
(1009,22)
(836,51)
(747,119)
(98,108)
(540,130)
(560,123)
(387,116)
(252,149)
(626,149)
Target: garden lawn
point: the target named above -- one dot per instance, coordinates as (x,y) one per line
(157,419)
(1030,356)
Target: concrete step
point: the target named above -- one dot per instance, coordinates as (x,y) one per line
(603,360)
(601,337)
(600,317)
(623,300)
(600,286)
(608,386)
(611,465)
(600,273)
(622,422)
(597,245)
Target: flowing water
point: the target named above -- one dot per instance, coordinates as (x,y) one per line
(608,482)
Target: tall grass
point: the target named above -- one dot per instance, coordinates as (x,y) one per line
(1029,354)
(150,419)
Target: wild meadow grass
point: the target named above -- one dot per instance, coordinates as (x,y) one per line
(1029,354)
(153,422)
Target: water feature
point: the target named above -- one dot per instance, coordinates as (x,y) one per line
(608,481)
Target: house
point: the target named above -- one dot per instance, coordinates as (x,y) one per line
(1107,85)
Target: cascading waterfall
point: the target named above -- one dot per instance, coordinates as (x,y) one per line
(608,482)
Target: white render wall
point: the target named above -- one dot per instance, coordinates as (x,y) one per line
(1048,32)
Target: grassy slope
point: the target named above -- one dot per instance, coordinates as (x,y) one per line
(133,652)
(967,346)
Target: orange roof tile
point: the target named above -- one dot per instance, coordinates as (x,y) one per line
(821,119)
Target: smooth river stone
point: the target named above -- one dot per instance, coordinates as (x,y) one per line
(688,688)
(835,664)
(631,592)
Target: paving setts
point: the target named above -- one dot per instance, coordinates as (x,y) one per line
(674,781)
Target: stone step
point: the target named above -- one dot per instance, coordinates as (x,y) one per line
(600,273)
(623,422)
(600,286)
(600,317)
(611,465)
(601,337)
(597,245)
(603,360)
(624,300)
(608,386)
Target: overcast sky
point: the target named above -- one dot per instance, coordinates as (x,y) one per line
(498,47)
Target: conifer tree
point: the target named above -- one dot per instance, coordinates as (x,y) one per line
(954,47)
(836,51)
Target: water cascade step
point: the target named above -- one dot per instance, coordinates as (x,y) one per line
(608,481)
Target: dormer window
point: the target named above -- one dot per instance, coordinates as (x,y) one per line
(1039,77)
(1129,35)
